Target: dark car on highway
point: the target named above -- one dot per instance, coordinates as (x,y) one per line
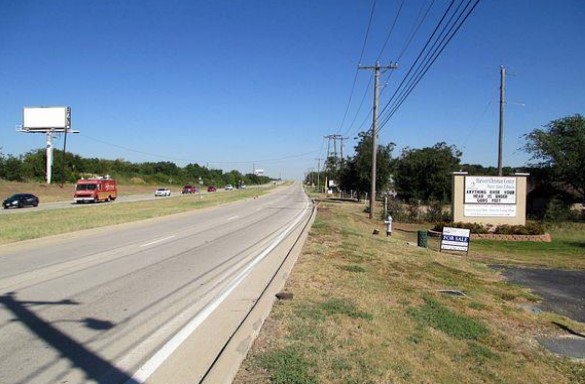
(211,188)
(20,200)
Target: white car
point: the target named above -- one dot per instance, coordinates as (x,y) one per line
(162,192)
(228,187)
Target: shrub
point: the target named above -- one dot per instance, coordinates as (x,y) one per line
(558,210)
(474,227)
(401,212)
(530,229)
(434,212)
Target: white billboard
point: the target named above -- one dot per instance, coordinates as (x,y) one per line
(46,118)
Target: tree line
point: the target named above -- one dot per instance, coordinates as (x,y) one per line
(70,167)
(423,175)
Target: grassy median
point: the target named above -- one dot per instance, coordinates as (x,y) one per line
(34,223)
(377,309)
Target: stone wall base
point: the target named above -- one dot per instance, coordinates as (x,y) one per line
(492,236)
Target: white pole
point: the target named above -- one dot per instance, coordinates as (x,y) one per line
(49,155)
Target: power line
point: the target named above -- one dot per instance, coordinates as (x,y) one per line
(356,71)
(390,32)
(445,37)
(371,76)
(414,31)
(412,67)
(295,156)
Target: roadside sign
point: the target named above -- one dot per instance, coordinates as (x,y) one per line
(455,239)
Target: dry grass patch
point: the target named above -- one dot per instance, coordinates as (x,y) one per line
(366,309)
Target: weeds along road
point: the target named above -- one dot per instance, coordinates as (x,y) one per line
(148,302)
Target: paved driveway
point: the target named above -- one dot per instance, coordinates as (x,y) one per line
(563,291)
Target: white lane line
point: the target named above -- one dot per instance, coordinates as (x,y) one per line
(157,241)
(148,368)
(233,218)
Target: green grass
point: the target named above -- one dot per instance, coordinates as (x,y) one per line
(336,306)
(287,366)
(352,268)
(566,250)
(435,315)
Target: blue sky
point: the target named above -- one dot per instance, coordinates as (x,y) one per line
(238,84)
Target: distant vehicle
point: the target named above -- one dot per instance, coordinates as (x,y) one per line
(211,188)
(95,190)
(20,200)
(187,189)
(228,187)
(162,192)
(243,186)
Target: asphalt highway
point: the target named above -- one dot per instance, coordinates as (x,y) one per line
(146,302)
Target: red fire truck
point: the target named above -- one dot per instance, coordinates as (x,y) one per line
(95,190)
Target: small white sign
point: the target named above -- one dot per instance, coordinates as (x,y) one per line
(489,210)
(455,239)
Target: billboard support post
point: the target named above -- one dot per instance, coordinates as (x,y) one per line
(48,120)
(49,156)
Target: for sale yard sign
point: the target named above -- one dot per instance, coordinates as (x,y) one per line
(455,239)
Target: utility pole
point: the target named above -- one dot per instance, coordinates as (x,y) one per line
(318,174)
(502,101)
(341,155)
(376,69)
(335,138)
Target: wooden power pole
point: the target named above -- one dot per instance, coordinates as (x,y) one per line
(376,69)
(502,101)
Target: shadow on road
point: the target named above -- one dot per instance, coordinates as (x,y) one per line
(94,367)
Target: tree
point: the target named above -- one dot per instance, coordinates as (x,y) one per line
(425,174)
(10,168)
(561,146)
(356,172)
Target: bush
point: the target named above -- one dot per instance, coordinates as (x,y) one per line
(558,210)
(401,212)
(435,213)
(530,229)
(474,227)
